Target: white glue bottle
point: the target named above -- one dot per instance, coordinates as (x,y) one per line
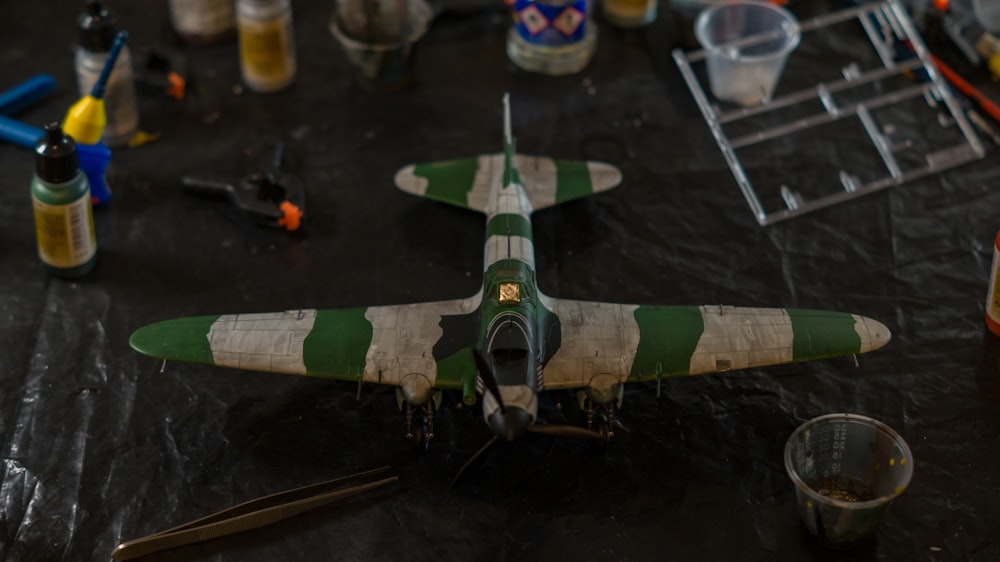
(97,32)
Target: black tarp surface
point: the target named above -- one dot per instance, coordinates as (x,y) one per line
(101,445)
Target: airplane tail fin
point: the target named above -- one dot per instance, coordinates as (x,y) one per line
(466,182)
(509,173)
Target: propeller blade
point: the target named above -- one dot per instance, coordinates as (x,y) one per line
(567,431)
(489,379)
(472,459)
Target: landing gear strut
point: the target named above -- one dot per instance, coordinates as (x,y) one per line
(420,423)
(600,417)
(419,419)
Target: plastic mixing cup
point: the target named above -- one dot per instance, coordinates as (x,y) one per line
(746,45)
(847,469)
(988,14)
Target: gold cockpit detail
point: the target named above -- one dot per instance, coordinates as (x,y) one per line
(510,293)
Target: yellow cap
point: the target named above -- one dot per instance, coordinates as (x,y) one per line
(85,120)
(994,64)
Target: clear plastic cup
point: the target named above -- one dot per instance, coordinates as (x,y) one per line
(378,40)
(847,469)
(746,45)
(988,14)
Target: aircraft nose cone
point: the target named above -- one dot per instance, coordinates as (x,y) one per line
(510,424)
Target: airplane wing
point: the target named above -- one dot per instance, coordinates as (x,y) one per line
(605,344)
(466,182)
(380,344)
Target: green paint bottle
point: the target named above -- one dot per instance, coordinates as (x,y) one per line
(64,217)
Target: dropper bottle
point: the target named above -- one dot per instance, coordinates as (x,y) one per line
(64,217)
(98,29)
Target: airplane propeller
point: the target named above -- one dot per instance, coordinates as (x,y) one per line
(489,378)
(567,431)
(490,382)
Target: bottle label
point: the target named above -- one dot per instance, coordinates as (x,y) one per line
(65,232)
(551,25)
(202,17)
(266,51)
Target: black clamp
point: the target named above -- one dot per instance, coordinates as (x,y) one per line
(268,196)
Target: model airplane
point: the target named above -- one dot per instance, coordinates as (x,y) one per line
(518,340)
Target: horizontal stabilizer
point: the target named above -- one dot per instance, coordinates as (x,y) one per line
(466,182)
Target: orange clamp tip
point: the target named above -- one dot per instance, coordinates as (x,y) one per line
(941,5)
(291,216)
(177,86)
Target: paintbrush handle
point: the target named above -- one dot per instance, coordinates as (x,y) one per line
(102,80)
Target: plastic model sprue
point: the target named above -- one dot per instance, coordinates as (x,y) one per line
(510,340)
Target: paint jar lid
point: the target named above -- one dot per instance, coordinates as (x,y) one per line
(97,27)
(55,155)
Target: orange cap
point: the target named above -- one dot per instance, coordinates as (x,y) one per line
(291,216)
(177,85)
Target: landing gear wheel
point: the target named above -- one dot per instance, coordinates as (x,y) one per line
(423,431)
(421,438)
(420,425)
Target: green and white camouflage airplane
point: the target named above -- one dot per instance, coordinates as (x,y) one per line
(518,340)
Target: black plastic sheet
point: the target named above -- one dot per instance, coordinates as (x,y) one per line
(101,445)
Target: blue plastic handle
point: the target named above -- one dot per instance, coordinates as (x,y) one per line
(21,134)
(94,158)
(26,93)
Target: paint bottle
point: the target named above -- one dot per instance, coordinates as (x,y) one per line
(552,36)
(988,46)
(993,294)
(97,33)
(64,218)
(203,22)
(267,44)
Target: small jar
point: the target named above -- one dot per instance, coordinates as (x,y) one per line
(630,13)
(267,44)
(552,36)
(203,22)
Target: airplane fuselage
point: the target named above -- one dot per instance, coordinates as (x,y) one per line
(510,333)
